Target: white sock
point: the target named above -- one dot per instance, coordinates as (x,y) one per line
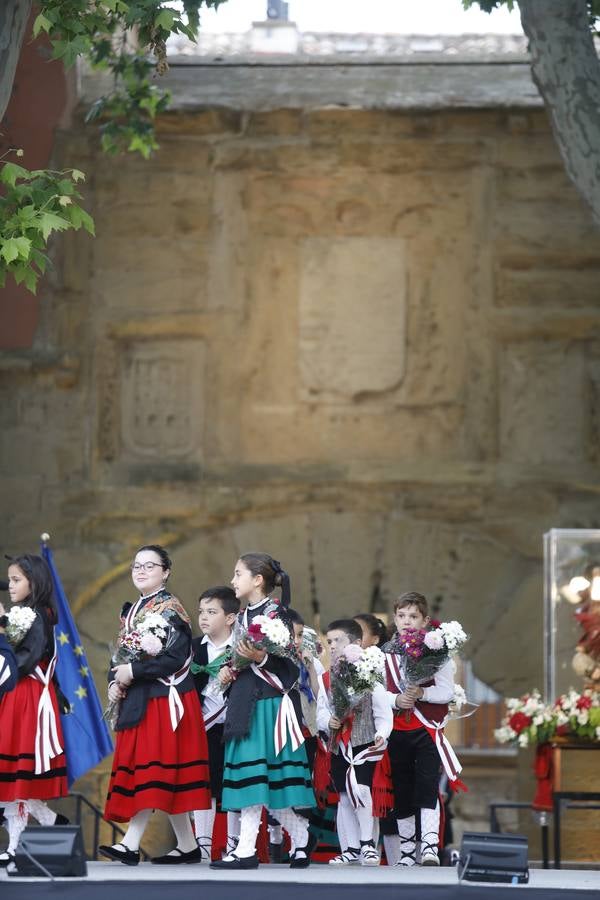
(408,839)
(296,826)
(17,816)
(204,821)
(275,834)
(249,825)
(42,812)
(135,830)
(186,842)
(364,814)
(430,829)
(375,830)
(233,830)
(347,824)
(391,842)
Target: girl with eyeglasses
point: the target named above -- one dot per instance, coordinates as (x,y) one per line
(161,755)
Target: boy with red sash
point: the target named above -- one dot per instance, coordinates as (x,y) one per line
(361,745)
(416,746)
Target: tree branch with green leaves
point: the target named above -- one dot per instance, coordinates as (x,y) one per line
(127,39)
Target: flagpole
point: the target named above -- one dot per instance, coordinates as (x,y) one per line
(45,539)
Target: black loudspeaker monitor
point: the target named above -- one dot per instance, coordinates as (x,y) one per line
(494,857)
(57,848)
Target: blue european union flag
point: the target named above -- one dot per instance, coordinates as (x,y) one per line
(87,738)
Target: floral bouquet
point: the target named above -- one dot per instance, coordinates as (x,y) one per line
(423,651)
(267,632)
(311,647)
(150,637)
(529,721)
(354,673)
(19,620)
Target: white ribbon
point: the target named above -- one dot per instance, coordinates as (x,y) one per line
(394,671)
(4,670)
(175,704)
(211,720)
(286,723)
(448,757)
(47,744)
(369,754)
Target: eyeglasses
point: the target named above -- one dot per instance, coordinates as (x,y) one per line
(147,567)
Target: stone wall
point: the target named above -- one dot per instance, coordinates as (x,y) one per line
(365,341)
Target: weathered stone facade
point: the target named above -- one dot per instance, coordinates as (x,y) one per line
(366,341)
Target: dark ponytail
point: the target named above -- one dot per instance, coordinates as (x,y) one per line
(272,574)
(376,626)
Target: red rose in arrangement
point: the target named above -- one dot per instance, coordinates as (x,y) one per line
(563,729)
(255,632)
(519,721)
(584,702)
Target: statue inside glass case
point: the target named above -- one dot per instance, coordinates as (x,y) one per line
(584,592)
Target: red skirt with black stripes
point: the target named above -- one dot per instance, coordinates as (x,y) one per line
(18,727)
(155,767)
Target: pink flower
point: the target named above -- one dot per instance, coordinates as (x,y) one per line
(434,639)
(151,644)
(353,652)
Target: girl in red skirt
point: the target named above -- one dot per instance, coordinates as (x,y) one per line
(32,763)
(161,755)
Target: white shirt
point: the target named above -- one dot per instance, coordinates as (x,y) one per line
(212,698)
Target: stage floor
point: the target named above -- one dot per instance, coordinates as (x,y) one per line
(148,882)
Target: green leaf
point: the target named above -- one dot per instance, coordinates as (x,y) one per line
(19,273)
(10,172)
(39,259)
(9,250)
(165,19)
(139,143)
(31,280)
(50,222)
(41,24)
(77,175)
(23,246)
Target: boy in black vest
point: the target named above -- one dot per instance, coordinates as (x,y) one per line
(413,754)
(217,611)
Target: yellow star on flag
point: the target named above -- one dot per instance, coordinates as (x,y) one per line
(81,692)
(84,671)
(78,650)
(63,638)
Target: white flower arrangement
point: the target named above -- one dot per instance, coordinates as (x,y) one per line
(454,635)
(275,630)
(154,623)
(529,721)
(19,621)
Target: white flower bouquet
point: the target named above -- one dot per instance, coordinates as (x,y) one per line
(150,636)
(266,632)
(19,620)
(354,673)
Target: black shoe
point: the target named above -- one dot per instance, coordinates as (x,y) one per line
(5,859)
(302,862)
(126,856)
(236,862)
(276,852)
(177,857)
(61,820)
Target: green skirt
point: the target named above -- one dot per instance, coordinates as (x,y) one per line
(254,775)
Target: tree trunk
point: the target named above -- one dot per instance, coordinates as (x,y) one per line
(566,71)
(14,15)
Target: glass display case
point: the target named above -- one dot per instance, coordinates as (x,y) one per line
(571,610)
